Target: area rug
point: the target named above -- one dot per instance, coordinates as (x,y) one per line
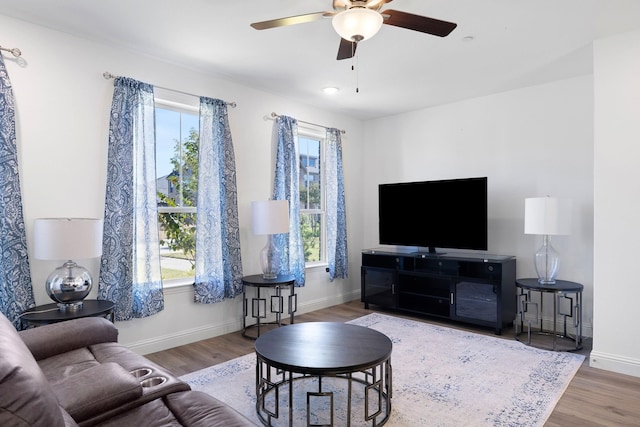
(441,377)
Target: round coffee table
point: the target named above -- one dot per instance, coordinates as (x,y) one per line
(339,371)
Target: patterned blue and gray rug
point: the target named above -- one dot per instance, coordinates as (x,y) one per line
(441,377)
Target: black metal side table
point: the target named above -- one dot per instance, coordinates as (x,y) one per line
(567,303)
(49,313)
(259,303)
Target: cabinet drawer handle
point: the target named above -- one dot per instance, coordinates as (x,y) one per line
(451,298)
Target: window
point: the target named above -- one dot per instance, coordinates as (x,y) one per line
(177,137)
(312,214)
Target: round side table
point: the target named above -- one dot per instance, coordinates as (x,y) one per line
(567,305)
(49,313)
(259,302)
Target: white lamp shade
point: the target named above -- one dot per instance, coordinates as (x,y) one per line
(62,239)
(547,215)
(357,23)
(270,217)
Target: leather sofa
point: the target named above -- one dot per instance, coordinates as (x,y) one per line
(75,373)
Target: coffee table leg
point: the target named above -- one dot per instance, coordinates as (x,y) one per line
(290,399)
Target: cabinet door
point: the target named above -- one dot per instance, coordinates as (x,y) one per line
(425,294)
(378,286)
(477,301)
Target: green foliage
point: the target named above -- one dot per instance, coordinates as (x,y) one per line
(310,223)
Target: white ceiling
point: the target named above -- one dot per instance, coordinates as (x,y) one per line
(515,43)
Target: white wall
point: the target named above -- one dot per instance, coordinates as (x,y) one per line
(530,142)
(617,204)
(63,105)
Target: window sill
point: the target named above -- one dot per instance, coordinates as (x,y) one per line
(316,266)
(189,281)
(178,283)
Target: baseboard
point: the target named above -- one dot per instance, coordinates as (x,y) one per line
(615,363)
(164,342)
(321,303)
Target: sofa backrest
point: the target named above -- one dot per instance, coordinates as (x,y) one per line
(26,397)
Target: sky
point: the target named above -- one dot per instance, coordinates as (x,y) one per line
(170,126)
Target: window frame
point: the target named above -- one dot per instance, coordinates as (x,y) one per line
(317,135)
(187,104)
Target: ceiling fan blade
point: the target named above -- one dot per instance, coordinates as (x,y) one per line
(290,20)
(346,49)
(423,24)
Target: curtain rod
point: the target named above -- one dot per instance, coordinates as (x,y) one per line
(15,51)
(274,115)
(107,75)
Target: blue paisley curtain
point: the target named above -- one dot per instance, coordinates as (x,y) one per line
(16,293)
(287,187)
(218,263)
(130,267)
(335,208)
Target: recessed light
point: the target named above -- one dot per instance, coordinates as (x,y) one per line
(330,90)
(468,38)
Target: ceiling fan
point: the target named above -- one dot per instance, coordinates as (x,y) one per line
(358,20)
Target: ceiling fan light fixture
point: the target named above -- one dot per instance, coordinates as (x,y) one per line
(357,24)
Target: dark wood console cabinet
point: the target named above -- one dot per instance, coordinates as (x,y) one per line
(477,289)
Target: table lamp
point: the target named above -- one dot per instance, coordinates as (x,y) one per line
(66,239)
(547,216)
(270,217)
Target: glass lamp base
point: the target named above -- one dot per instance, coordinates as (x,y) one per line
(70,306)
(68,285)
(270,260)
(547,261)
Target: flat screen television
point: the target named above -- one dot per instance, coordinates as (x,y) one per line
(448,213)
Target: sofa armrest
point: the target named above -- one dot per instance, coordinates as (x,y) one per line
(57,338)
(98,389)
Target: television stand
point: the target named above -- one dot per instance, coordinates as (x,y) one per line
(472,288)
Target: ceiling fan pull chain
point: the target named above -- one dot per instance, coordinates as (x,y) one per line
(354,64)
(353,54)
(357,75)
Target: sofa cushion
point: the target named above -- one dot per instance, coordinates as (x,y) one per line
(57,368)
(26,398)
(97,390)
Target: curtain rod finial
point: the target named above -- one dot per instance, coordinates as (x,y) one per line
(14,51)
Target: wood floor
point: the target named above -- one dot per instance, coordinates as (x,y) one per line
(594,397)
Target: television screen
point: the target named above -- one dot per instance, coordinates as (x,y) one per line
(434,214)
